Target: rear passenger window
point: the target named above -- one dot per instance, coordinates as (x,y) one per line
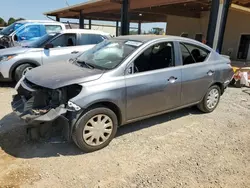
(193,54)
(53,28)
(88,39)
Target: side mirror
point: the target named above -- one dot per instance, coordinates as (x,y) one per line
(129,69)
(48,46)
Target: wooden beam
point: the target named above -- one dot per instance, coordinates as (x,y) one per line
(109,7)
(240,8)
(137,4)
(133,17)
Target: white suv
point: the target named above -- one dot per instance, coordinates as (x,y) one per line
(51,48)
(27,30)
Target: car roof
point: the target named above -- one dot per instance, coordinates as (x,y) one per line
(86,31)
(37,21)
(147,38)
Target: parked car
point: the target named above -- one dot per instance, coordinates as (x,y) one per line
(119,81)
(27,30)
(1,28)
(51,48)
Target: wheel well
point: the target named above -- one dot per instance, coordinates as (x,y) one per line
(112,107)
(220,86)
(15,67)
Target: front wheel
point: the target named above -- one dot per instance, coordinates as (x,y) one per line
(95,129)
(211,99)
(22,70)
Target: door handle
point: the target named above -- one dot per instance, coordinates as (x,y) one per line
(172,79)
(210,73)
(75,52)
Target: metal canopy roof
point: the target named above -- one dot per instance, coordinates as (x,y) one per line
(140,10)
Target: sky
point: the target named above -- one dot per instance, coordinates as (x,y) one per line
(34,9)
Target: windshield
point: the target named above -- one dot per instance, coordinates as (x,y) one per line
(108,54)
(39,43)
(11,28)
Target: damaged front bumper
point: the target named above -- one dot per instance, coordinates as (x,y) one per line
(35,104)
(24,110)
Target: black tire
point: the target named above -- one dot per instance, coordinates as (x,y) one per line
(232,82)
(20,71)
(81,123)
(203,104)
(238,84)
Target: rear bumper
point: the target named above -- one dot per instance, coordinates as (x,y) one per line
(23,109)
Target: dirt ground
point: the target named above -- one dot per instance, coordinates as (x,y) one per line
(181,149)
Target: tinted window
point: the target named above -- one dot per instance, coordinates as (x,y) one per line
(65,40)
(158,56)
(88,39)
(53,28)
(29,32)
(193,54)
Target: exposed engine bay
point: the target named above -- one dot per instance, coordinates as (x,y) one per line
(39,106)
(6,42)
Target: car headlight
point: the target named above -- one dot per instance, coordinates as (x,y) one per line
(73,106)
(7,57)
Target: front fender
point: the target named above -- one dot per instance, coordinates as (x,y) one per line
(23,61)
(112,92)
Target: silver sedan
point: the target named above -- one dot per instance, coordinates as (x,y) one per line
(119,81)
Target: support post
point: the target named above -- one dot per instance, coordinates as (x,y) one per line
(57,18)
(139,27)
(81,20)
(212,22)
(125,17)
(117,28)
(217,23)
(166,28)
(90,23)
(226,6)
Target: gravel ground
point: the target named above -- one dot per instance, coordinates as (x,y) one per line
(181,149)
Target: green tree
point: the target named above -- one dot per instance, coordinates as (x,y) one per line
(11,21)
(20,19)
(2,22)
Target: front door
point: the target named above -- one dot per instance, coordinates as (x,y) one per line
(154,85)
(197,73)
(64,48)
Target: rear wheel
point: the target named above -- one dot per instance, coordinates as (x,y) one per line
(22,70)
(211,99)
(95,129)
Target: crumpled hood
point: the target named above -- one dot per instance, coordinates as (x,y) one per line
(13,50)
(57,75)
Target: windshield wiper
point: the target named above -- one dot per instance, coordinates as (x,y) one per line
(86,64)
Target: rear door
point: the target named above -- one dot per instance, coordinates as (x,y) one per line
(197,73)
(63,46)
(154,85)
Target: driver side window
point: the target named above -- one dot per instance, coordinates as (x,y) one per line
(65,40)
(158,56)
